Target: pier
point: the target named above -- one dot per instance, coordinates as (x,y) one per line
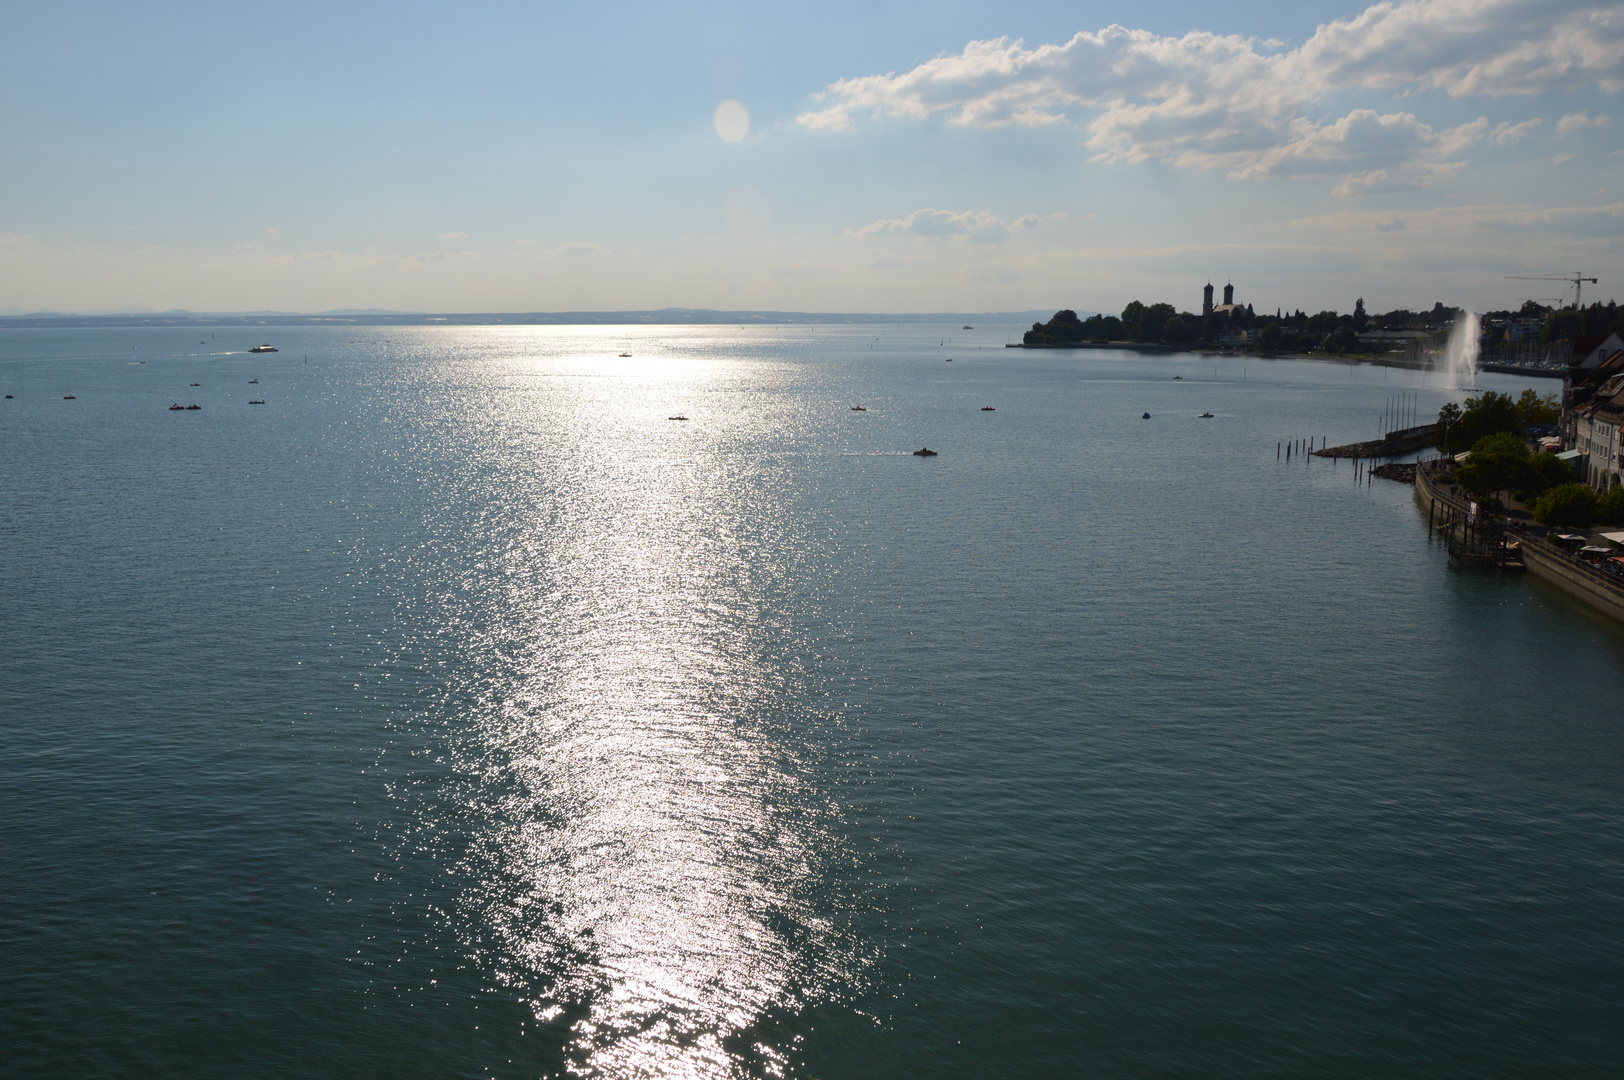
(1393,444)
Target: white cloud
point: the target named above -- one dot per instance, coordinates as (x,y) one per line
(1506,133)
(1210,101)
(977,226)
(1574,121)
(246,249)
(577,249)
(1028,221)
(1390,225)
(1563,159)
(454,236)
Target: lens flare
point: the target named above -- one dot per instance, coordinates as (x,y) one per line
(732,121)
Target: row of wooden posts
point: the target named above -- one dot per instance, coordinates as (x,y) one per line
(1301,447)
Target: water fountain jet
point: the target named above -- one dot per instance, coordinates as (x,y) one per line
(1460,355)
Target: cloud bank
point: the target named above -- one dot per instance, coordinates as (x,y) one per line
(976,226)
(1210,101)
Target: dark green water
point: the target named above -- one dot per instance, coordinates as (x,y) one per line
(455,713)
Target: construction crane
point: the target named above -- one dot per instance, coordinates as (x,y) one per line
(1576,281)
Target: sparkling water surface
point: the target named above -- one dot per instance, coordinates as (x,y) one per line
(456,713)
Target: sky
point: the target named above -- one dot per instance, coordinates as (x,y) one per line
(873,157)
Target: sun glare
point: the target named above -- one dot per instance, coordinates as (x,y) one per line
(732,121)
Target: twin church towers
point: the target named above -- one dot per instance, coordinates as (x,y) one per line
(1225,308)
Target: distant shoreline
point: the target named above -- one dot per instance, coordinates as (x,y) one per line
(662,317)
(1323,358)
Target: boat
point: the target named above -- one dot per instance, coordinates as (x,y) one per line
(949,359)
(190,408)
(859,408)
(267,347)
(679,416)
(969,328)
(1205,416)
(1178,376)
(197,384)
(924,451)
(69,397)
(8,397)
(624,355)
(261,401)
(253,382)
(177,407)
(988,408)
(1145,417)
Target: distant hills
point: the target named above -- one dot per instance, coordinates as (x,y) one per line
(377,317)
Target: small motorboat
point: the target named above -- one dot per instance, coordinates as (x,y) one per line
(624,355)
(988,408)
(177,407)
(69,397)
(253,382)
(191,408)
(859,408)
(197,384)
(949,359)
(969,328)
(924,451)
(1145,417)
(261,401)
(1205,416)
(679,416)
(267,347)
(1178,376)
(8,397)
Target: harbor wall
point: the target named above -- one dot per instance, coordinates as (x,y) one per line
(1573,577)
(1545,561)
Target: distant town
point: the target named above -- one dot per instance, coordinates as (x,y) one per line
(1535,335)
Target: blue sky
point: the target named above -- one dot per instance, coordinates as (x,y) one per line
(899,157)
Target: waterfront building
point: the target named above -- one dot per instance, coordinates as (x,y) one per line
(1593,408)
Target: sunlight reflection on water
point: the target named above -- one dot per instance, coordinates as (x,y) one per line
(643,844)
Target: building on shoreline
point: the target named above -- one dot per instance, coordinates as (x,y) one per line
(1593,409)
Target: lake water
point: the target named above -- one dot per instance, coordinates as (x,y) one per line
(454,713)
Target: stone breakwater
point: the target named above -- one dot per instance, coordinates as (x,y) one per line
(1394,443)
(1404,474)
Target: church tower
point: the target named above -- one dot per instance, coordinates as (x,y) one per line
(1206,301)
(1229,295)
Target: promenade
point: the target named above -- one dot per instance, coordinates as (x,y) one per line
(1448,507)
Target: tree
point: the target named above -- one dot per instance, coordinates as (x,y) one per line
(1487,414)
(1545,471)
(1610,507)
(1131,315)
(1535,411)
(1268,338)
(1064,327)
(1102,328)
(1323,323)
(1359,317)
(1499,463)
(1448,432)
(1566,504)
(1562,325)
(1343,340)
